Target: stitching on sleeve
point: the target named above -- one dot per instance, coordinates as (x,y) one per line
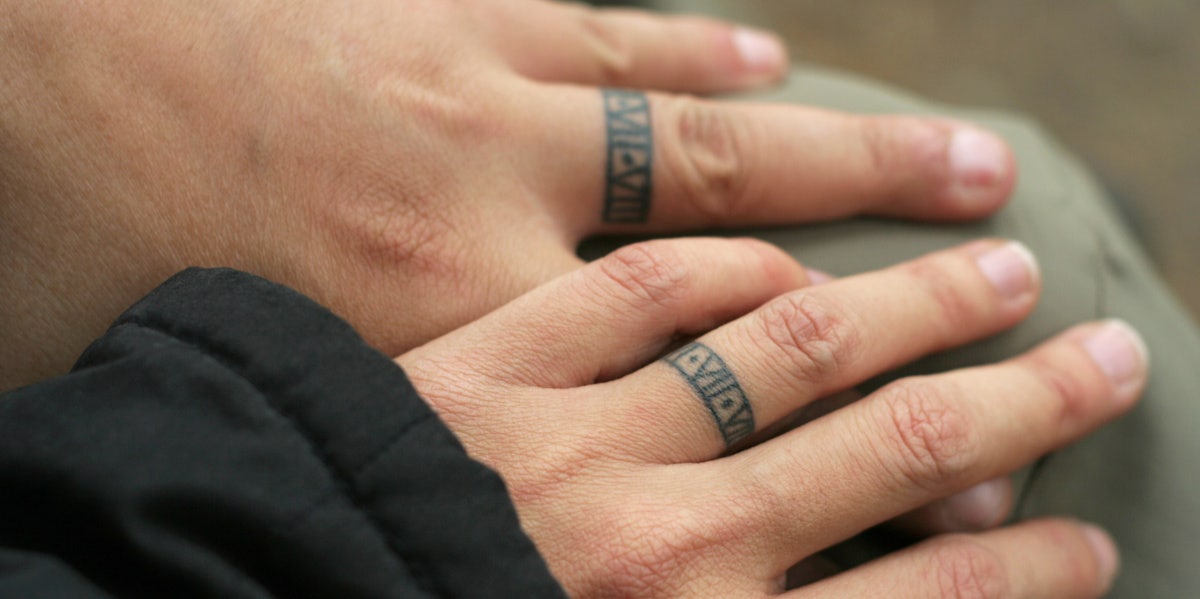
(383,450)
(342,480)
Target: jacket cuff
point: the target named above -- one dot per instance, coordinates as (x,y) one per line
(446,516)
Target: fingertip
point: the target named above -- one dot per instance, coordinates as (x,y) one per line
(981,507)
(1120,352)
(982,170)
(937,168)
(1011,268)
(759,52)
(819,277)
(1104,549)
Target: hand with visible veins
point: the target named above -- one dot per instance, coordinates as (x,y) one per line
(630,472)
(413,164)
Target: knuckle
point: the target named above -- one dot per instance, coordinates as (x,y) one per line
(815,337)
(449,383)
(1067,393)
(876,140)
(374,216)
(649,551)
(902,147)
(955,310)
(962,568)
(540,472)
(929,433)
(707,157)
(648,273)
(611,46)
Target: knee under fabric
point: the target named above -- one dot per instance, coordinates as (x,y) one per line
(1134,477)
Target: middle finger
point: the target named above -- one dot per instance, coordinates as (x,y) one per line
(927,437)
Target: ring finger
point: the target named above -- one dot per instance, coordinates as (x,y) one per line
(619,161)
(813,342)
(1049,559)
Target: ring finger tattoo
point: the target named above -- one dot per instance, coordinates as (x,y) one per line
(629,174)
(718,388)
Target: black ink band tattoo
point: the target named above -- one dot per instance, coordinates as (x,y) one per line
(629,177)
(718,388)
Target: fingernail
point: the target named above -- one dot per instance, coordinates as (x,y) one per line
(978,160)
(759,50)
(983,506)
(1121,354)
(1105,551)
(1011,268)
(818,277)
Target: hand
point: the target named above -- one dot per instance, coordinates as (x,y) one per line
(412,164)
(629,472)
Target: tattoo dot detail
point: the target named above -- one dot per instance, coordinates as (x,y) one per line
(718,388)
(629,175)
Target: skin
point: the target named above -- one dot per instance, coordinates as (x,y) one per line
(593,422)
(412,164)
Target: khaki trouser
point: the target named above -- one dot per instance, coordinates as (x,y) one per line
(1137,477)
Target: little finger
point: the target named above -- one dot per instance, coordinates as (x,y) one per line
(1047,559)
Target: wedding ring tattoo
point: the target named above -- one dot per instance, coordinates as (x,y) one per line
(628,186)
(629,176)
(718,388)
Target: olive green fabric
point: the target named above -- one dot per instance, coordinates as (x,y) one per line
(1136,477)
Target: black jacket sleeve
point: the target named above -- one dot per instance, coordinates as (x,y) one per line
(228,437)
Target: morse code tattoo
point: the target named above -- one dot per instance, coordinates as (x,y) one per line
(718,388)
(629,175)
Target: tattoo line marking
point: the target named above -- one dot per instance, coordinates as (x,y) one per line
(718,388)
(629,175)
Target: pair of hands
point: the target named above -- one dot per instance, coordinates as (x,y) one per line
(414,164)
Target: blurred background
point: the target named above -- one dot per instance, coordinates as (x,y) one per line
(1118,81)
